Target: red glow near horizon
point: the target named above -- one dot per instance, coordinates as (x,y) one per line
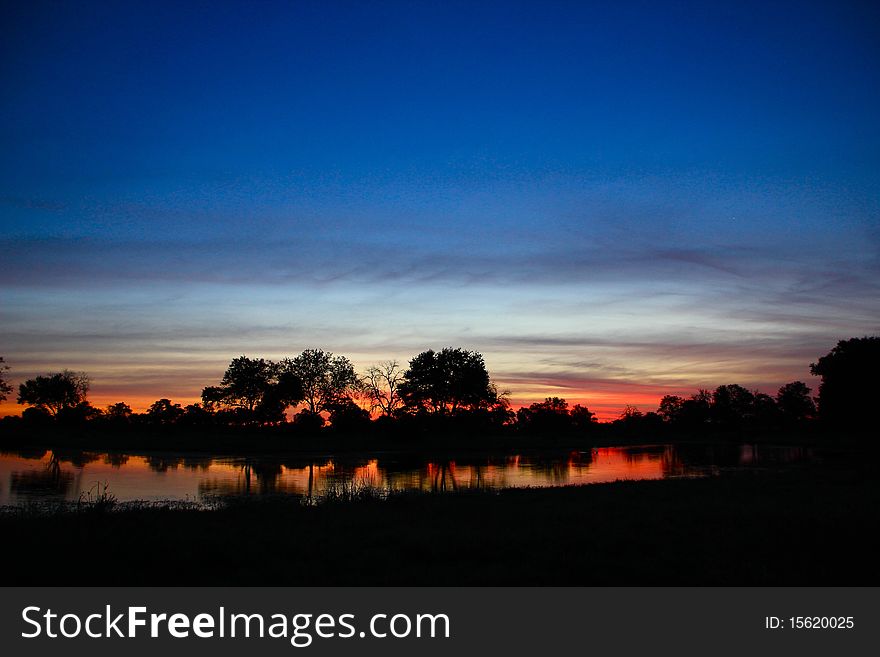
(605,405)
(606,399)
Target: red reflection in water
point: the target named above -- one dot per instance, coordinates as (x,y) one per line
(169,476)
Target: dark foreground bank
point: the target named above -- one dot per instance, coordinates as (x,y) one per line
(809,526)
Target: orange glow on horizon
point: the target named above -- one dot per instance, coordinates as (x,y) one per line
(606,405)
(607,400)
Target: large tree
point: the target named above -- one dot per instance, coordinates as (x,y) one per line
(118,411)
(670,408)
(163,411)
(550,416)
(244,383)
(327,380)
(54,393)
(444,382)
(794,402)
(732,406)
(259,388)
(690,413)
(848,390)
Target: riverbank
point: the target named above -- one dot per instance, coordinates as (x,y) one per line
(288,440)
(805,526)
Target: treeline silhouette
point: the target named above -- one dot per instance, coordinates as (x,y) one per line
(446,392)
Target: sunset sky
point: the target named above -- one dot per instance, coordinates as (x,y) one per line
(610,201)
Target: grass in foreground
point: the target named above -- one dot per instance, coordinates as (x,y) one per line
(803,527)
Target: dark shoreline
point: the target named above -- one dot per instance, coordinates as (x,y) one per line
(282,441)
(440,452)
(800,526)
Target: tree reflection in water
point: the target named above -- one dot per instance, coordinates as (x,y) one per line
(266,476)
(133,477)
(442,476)
(116,460)
(50,481)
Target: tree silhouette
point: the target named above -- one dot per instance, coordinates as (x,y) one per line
(195,415)
(630,412)
(244,383)
(553,416)
(82,412)
(382,386)
(164,412)
(118,411)
(849,380)
(549,416)
(118,415)
(326,379)
(5,387)
(670,408)
(447,381)
(696,411)
(450,390)
(765,412)
(634,422)
(348,417)
(794,403)
(54,392)
(258,388)
(308,422)
(691,413)
(582,418)
(286,391)
(732,406)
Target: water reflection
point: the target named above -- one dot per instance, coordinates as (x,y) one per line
(116,460)
(49,482)
(66,474)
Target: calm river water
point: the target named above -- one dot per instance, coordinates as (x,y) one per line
(36,476)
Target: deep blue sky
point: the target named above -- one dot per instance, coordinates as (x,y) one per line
(610,201)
